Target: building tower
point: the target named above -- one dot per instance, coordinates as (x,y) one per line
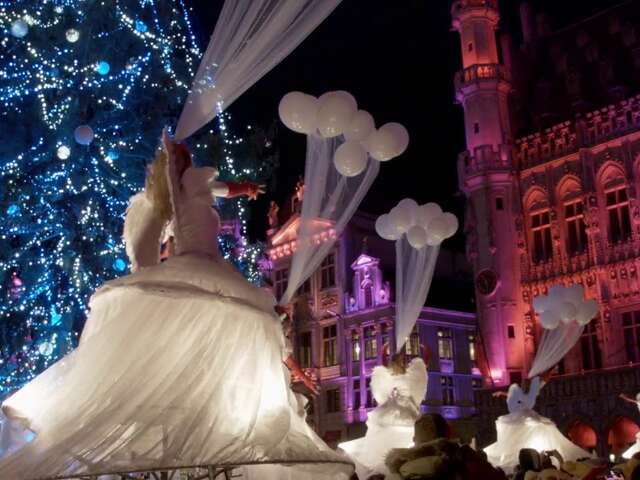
(487,178)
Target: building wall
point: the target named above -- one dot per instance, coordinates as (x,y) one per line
(568,213)
(362,323)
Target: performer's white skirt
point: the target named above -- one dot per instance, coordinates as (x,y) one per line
(527,429)
(180,365)
(635,448)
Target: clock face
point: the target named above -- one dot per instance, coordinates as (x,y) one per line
(486,282)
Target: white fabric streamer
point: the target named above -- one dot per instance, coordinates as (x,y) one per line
(414,272)
(250,38)
(554,345)
(330,201)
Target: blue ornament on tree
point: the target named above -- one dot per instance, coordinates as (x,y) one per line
(83,135)
(141,26)
(13,210)
(113,154)
(55,317)
(103,67)
(119,265)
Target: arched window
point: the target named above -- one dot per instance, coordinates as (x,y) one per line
(590,348)
(539,226)
(575,229)
(612,182)
(368,295)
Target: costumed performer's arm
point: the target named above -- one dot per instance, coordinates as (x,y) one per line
(233,190)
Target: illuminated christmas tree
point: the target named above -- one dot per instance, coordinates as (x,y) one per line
(85,89)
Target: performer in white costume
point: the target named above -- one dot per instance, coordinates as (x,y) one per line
(525,428)
(180,363)
(399,391)
(635,448)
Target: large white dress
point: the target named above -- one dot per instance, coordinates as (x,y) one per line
(635,448)
(391,424)
(525,428)
(179,366)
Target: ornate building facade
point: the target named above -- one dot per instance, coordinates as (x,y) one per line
(344,326)
(551,175)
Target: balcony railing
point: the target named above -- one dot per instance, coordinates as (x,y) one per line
(479,73)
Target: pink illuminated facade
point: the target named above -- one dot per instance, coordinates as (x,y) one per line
(344,318)
(551,174)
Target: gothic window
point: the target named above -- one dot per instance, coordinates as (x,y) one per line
(356,394)
(591,356)
(413,343)
(330,345)
(617,204)
(304,349)
(631,332)
(385,341)
(370,344)
(541,233)
(281,281)
(328,271)
(445,344)
(446,384)
(333,400)
(355,347)
(576,229)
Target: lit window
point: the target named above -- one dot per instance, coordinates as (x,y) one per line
(370,343)
(304,350)
(541,233)
(282,280)
(472,350)
(576,229)
(328,272)
(413,342)
(445,345)
(446,384)
(330,345)
(618,212)
(355,347)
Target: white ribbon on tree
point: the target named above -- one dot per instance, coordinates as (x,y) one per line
(250,38)
(563,315)
(418,232)
(343,154)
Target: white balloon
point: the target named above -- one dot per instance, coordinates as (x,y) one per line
(587,311)
(360,126)
(335,113)
(381,145)
(350,159)
(433,240)
(400,136)
(400,220)
(428,212)
(417,237)
(574,294)
(412,208)
(566,311)
(557,293)
(83,135)
(452,224)
(549,320)
(383,228)
(541,303)
(298,111)
(438,227)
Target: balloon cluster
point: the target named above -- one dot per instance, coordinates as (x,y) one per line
(336,113)
(566,305)
(423,224)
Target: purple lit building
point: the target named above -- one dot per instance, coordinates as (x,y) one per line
(344,317)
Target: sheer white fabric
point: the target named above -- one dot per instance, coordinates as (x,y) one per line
(180,365)
(391,424)
(414,272)
(330,201)
(635,448)
(527,429)
(554,345)
(250,38)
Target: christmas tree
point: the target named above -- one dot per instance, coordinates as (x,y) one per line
(86,88)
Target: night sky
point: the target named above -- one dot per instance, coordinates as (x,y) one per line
(398,58)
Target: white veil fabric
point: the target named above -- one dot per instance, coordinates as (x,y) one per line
(414,272)
(554,345)
(330,201)
(250,38)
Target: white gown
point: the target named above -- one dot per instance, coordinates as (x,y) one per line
(635,448)
(391,424)
(179,365)
(525,428)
